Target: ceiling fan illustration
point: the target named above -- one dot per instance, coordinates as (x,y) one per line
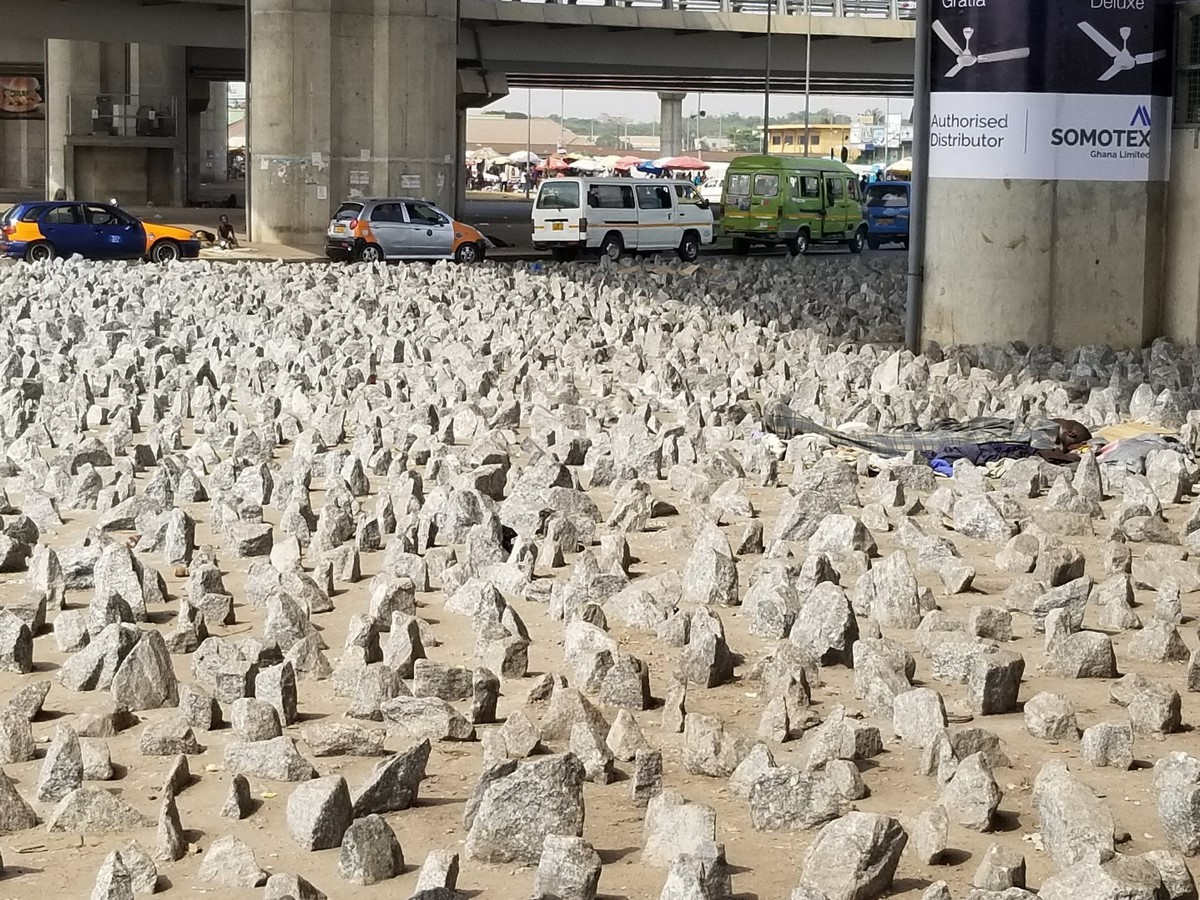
(965,58)
(1122,59)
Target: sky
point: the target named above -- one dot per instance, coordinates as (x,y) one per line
(643,105)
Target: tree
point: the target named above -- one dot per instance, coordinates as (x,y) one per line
(745,140)
(875,115)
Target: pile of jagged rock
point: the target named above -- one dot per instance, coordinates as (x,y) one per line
(231,492)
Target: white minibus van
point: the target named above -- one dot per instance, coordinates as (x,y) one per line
(613,216)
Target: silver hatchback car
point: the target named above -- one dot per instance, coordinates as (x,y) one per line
(381,228)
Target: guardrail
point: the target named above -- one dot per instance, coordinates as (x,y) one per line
(850,9)
(121,115)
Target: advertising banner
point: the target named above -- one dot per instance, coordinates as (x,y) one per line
(22,94)
(1061,90)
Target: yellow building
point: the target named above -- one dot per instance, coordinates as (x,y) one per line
(822,139)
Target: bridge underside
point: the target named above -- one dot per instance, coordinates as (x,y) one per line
(728,83)
(540,45)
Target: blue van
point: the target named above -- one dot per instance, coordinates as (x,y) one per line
(887,213)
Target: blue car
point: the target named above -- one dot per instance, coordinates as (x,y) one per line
(43,230)
(887,213)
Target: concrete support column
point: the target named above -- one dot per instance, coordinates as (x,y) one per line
(354,101)
(460,142)
(214,134)
(1065,263)
(1181,288)
(74,68)
(158,81)
(671,123)
(416,87)
(1181,306)
(208,143)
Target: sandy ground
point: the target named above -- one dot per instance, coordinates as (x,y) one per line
(765,865)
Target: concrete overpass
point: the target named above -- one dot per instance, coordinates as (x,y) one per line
(859,46)
(362,96)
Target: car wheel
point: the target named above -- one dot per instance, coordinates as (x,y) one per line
(874,243)
(42,251)
(564,254)
(798,246)
(467,253)
(165,251)
(612,247)
(370,253)
(689,247)
(858,241)
(741,246)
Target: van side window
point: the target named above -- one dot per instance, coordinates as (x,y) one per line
(833,190)
(688,194)
(653,197)
(610,196)
(852,188)
(810,187)
(556,194)
(738,185)
(766,185)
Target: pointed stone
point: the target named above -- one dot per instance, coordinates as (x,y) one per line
(170,844)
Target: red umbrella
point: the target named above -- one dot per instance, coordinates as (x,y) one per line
(626,163)
(554,164)
(682,163)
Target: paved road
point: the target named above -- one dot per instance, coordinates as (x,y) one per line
(510,221)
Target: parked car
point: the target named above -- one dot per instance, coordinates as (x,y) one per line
(793,201)
(43,230)
(887,213)
(612,216)
(384,228)
(711,190)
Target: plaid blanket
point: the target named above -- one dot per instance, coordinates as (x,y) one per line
(779,419)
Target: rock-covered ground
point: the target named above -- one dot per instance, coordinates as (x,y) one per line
(404,581)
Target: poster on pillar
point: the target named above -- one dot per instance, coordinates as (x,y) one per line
(22,93)
(1073,90)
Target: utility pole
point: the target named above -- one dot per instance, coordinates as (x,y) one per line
(807,75)
(920,180)
(887,130)
(766,137)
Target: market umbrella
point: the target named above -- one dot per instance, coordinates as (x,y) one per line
(625,163)
(554,164)
(652,168)
(524,157)
(587,165)
(682,163)
(900,167)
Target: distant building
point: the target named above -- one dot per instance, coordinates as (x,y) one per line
(820,140)
(648,144)
(721,144)
(504,135)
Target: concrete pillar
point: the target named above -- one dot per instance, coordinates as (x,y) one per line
(214,133)
(671,123)
(1181,290)
(1065,263)
(74,68)
(158,79)
(208,143)
(1047,200)
(460,144)
(357,100)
